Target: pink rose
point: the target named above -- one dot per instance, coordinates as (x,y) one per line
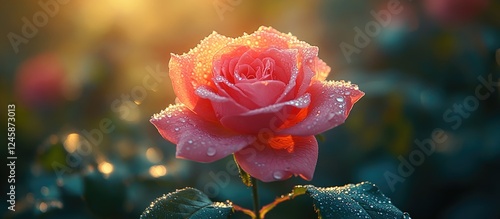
(40,81)
(261,96)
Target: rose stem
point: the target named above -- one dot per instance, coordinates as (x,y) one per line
(255,198)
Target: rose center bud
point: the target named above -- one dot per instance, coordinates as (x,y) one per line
(258,70)
(282,142)
(252,79)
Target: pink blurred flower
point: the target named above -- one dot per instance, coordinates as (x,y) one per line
(261,96)
(40,80)
(454,12)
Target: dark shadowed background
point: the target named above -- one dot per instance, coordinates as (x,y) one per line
(85,77)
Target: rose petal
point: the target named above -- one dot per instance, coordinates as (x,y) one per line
(227,89)
(304,79)
(307,66)
(188,71)
(262,93)
(286,70)
(331,102)
(267,37)
(226,60)
(254,121)
(222,105)
(267,164)
(322,70)
(287,60)
(196,138)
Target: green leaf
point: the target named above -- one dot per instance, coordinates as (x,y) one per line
(245,177)
(187,203)
(363,200)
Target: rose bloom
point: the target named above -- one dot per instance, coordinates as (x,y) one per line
(261,97)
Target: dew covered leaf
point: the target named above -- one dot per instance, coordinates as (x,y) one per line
(186,203)
(363,200)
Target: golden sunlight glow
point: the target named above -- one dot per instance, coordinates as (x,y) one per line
(72,142)
(157,171)
(105,167)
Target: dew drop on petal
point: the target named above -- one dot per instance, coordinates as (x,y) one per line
(211,151)
(278,175)
(340,99)
(176,129)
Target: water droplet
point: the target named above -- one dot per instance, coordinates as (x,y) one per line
(182,120)
(278,175)
(347,93)
(340,99)
(190,141)
(176,129)
(211,151)
(331,115)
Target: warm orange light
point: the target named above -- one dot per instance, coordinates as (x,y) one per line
(282,142)
(295,117)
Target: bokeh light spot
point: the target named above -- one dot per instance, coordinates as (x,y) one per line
(105,167)
(157,171)
(72,142)
(154,155)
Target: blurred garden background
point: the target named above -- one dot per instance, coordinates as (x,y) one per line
(86,76)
